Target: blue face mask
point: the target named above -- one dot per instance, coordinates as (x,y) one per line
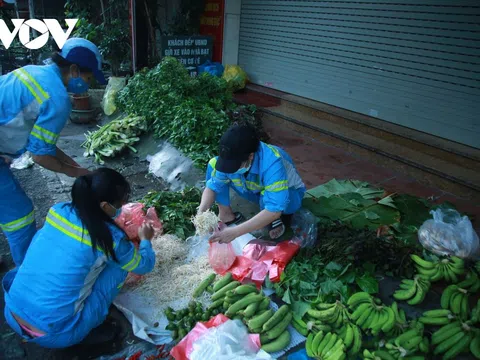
(117,212)
(77,85)
(243,170)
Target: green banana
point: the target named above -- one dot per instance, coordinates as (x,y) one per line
(358,298)
(423,263)
(405,294)
(419,296)
(448,343)
(475,346)
(357,340)
(390,322)
(457,348)
(383,355)
(308,345)
(446,295)
(437,313)
(322,342)
(434,320)
(360,310)
(445,332)
(405,337)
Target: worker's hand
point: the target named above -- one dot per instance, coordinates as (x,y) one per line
(146,231)
(224,236)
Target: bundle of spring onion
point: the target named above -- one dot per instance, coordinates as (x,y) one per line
(114,137)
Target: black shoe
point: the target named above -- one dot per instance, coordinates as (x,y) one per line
(105,333)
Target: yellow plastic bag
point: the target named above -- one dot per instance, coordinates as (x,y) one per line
(115,84)
(235,76)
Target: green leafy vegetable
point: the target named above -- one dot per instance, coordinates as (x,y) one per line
(335,187)
(175,209)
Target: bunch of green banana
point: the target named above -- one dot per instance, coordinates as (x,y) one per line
(385,355)
(414,291)
(352,337)
(370,315)
(401,322)
(334,315)
(325,346)
(452,339)
(437,317)
(456,299)
(408,344)
(448,268)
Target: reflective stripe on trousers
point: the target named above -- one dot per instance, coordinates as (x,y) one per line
(17,218)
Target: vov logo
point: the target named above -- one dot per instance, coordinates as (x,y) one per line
(44,28)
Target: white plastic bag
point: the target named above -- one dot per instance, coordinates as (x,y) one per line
(115,84)
(229,341)
(449,233)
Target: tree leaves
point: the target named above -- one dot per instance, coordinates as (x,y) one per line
(367,283)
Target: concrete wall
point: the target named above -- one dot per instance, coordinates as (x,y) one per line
(231,32)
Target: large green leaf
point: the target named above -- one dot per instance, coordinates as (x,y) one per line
(335,187)
(354,209)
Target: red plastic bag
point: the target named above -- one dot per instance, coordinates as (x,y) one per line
(278,258)
(221,257)
(133,216)
(185,346)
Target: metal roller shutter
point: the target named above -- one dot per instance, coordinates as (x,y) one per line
(415,63)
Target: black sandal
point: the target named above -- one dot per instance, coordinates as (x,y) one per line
(275,225)
(237,220)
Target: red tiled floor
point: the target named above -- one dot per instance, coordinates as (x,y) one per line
(318,163)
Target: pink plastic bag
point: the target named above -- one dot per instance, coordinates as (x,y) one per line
(133,216)
(221,257)
(185,346)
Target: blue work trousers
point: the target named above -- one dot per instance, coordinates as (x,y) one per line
(17,218)
(94,312)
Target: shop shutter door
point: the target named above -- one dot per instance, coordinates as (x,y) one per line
(415,63)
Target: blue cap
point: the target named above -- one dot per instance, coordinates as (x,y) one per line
(85,54)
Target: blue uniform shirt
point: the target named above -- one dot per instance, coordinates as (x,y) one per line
(60,269)
(272,176)
(34,108)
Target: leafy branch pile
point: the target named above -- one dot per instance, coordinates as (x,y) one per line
(114,137)
(189,112)
(175,209)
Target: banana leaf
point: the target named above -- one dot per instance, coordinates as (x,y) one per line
(354,209)
(336,187)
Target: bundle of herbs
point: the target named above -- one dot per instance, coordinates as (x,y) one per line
(189,112)
(343,244)
(175,209)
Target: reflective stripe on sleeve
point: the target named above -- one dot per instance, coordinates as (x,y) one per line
(32,85)
(277,186)
(19,223)
(44,135)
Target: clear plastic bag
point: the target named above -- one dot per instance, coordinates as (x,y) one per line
(229,341)
(304,226)
(221,257)
(115,84)
(449,233)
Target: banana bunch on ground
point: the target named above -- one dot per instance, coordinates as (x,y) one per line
(333,315)
(455,297)
(449,268)
(325,346)
(476,313)
(385,355)
(407,345)
(352,338)
(246,303)
(413,290)
(401,323)
(437,317)
(456,338)
(370,314)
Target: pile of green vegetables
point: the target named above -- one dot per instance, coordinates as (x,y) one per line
(114,137)
(175,209)
(190,112)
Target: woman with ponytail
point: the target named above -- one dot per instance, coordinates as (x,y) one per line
(76,265)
